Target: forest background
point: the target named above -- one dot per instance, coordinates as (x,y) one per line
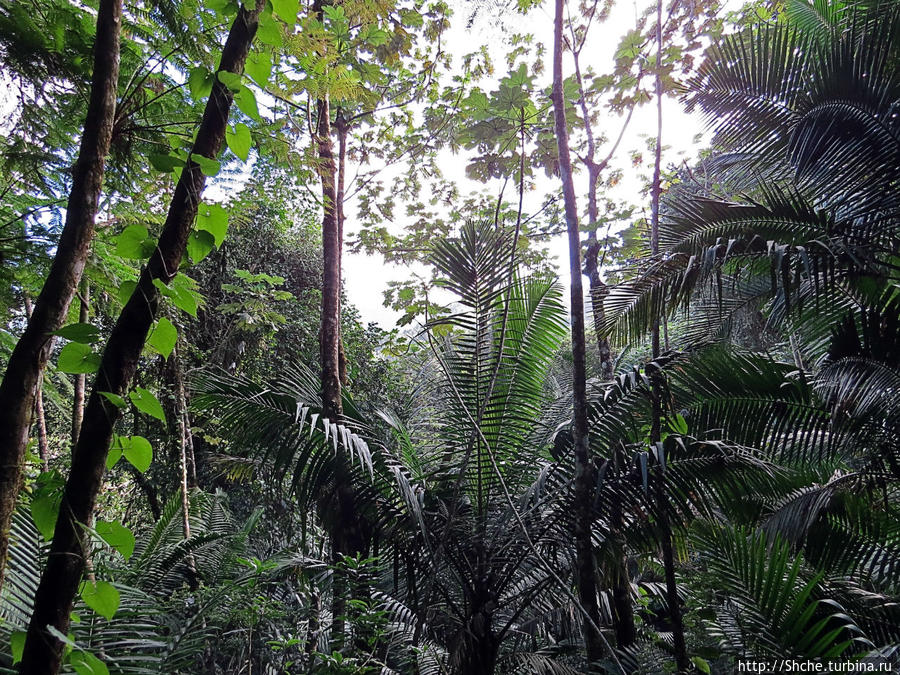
(212,461)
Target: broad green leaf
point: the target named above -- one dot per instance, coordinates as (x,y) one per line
(116,535)
(145,401)
(181,292)
(286,10)
(702,664)
(84,333)
(411,18)
(213,218)
(200,82)
(78,358)
(163,337)
(115,399)
(17,645)
(269,31)
(102,597)
(259,67)
(135,242)
(165,162)
(246,103)
(138,452)
(115,454)
(85,663)
(223,8)
(239,140)
(125,291)
(230,80)
(209,167)
(199,245)
(45,510)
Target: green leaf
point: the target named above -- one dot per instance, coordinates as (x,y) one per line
(115,454)
(137,450)
(135,242)
(230,80)
(199,245)
(45,510)
(145,401)
(411,18)
(200,82)
(163,338)
(85,663)
(125,291)
(209,167)
(165,162)
(181,292)
(239,140)
(223,8)
(259,67)
(702,664)
(115,399)
(84,333)
(246,103)
(269,31)
(102,597)
(213,218)
(116,535)
(286,10)
(78,358)
(17,645)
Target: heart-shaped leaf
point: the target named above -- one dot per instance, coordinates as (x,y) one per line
(102,597)
(78,358)
(239,140)
(84,333)
(163,338)
(116,535)
(145,401)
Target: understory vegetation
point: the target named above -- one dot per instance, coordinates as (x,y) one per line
(211,463)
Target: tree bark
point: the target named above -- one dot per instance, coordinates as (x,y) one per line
(80,379)
(40,418)
(29,357)
(679,645)
(59,582)
(584,478)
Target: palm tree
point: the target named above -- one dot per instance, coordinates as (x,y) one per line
(797,221)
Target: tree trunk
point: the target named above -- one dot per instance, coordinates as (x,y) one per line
(25,367)
(596,287)
(680,647)
(584,475)
(40,417)
(80,379)
(342,130)
(65,565)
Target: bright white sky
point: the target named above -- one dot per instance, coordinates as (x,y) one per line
(367,277)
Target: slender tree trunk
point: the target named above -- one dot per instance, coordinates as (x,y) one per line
(40,417)
(342,130)
(584,475)
(65,564)
(680,647)
(43,441)
(80,379)
(341,502)
(29,357)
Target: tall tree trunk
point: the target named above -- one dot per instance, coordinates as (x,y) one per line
(65,564)
(29,357)
(40,417)
(584,475)
(80,379)
(680,647)
(342,130)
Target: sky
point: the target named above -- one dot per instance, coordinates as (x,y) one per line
(370,274)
